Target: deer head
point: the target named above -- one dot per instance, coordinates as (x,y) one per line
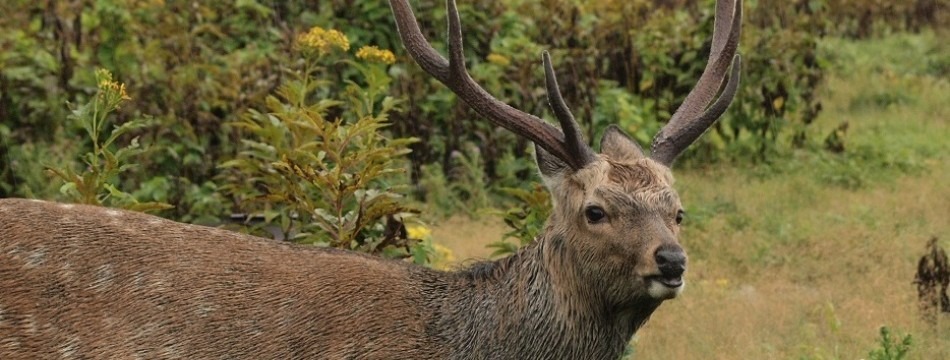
(616,216)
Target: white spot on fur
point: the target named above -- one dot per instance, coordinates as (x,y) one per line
(29,324)
(659,291)
(170,351)
(141,354)
(138,279)
(111,212)
(104,278)
(154,221)
(69,348)
(204,310)
(36,200)
(36,258)
(67,206)
(14,252)
(66,271)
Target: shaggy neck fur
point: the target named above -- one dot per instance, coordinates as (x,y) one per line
(534,304)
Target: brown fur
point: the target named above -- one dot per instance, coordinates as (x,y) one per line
(89,282)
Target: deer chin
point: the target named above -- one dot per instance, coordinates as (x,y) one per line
(662,288)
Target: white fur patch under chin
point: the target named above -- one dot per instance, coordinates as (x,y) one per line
(663,292)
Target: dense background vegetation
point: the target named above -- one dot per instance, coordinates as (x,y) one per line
(193,70)
(198,110)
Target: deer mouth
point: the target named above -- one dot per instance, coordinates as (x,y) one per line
(662,287)
(668,281)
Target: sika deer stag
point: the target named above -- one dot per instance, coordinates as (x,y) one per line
(87,282)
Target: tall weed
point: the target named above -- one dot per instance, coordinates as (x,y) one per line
(318,164)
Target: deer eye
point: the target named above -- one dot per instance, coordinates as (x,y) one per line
(594,214)
(679,216)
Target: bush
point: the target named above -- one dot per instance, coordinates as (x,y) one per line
(890,348)
(195,67)
(317,163)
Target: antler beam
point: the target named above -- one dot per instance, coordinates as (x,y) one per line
(568,146)
(692,118)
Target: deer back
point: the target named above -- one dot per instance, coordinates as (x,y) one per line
(81,281)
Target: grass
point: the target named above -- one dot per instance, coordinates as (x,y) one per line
(809,261)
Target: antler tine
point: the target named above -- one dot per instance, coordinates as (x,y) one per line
(453,74)
(692,118)
(573,138)
(416,44)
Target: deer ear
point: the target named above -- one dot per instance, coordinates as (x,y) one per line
(618,146)
(550,166)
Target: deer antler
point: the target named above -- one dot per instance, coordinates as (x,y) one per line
(569,146)
(690,120)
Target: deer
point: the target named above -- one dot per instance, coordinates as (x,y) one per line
(79,281)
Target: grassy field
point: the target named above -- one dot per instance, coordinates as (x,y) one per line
(809,256)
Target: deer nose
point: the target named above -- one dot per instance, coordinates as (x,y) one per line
(671,260)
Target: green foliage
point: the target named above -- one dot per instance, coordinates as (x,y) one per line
(435,189)
(193,68)
(97,184)
(468,180)
(198,66)
(861,165)
(189,66)
(526,219)
(634,114)
(318,164)
(891,348)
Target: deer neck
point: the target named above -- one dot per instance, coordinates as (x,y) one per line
(537,301)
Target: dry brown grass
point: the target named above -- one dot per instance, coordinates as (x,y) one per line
(468,238)
(821,293)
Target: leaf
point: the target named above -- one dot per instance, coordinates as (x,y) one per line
(502,248)
(253,6)
(646,84)
(68,189)
(148,207)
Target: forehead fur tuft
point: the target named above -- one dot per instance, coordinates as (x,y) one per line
(644,173)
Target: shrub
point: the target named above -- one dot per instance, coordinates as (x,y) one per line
(98,183)
(891,348)
(194,67)
(318,164)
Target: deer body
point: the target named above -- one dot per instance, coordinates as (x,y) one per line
(135,285)
(87,282)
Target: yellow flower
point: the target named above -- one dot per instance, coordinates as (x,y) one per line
(498,59)
(374,54)
(444,258)
(323,40)
(418,232)
(111,92)
(116,88)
